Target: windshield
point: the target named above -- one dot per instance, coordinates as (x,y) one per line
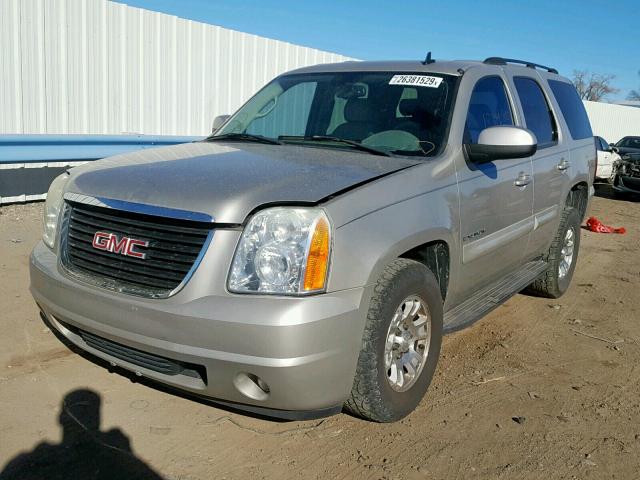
(629,142)
(403,114)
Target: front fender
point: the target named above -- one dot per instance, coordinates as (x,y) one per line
(365,246)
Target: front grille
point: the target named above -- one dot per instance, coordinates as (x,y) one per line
(137,357)
(173,249)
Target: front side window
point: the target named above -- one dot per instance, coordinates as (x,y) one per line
(604,146)
(572,109)
(537,114)
(402,114)
(489,106)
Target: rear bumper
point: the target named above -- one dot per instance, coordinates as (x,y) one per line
(304,349)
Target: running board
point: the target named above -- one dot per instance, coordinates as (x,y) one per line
(485,300)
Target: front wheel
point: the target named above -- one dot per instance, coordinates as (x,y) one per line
(400,345)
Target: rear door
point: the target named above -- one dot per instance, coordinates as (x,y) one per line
(551,161)
(604,158)
(495,212)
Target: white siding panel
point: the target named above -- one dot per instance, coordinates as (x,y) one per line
(99,67)
(31,47)
(10,67)
(612,122)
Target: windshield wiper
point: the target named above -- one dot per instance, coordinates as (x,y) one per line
(245,137)
(328,138)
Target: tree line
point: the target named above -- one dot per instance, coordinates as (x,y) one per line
(596,86)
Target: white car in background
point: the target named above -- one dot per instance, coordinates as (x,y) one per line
(606,157)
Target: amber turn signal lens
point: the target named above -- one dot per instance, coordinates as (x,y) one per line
(315,274)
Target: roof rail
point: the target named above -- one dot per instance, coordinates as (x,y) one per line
(504,61)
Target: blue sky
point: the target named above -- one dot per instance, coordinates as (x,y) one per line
(602,37)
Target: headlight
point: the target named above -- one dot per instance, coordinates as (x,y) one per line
(52,209)
(283,250)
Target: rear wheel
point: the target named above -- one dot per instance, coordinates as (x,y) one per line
(561,257)
(401,343)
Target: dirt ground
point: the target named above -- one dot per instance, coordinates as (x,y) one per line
(537,389)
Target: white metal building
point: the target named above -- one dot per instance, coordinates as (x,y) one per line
(612,122)
(99,67)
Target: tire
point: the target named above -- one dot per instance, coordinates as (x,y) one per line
(372,395)
(553,284)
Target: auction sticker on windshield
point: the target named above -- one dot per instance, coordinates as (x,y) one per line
(416,80)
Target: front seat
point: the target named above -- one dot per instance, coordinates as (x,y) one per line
(359,125)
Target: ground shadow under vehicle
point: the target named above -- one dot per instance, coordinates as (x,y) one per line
(604,190)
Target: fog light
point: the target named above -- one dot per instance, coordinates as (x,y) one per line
(251,386)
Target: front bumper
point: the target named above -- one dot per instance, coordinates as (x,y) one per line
(305,349)
(626,184)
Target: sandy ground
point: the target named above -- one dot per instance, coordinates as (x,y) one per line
(538,389)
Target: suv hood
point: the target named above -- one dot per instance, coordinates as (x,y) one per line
(229,180)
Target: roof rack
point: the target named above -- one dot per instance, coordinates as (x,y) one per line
(504,61)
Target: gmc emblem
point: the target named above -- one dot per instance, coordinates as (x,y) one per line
(109,242)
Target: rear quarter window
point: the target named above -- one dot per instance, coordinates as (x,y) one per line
(572,109)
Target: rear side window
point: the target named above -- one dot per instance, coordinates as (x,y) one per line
(537,113)
(572,108)
(489,106)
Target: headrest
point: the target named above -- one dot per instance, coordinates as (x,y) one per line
(357,110)
(408,107)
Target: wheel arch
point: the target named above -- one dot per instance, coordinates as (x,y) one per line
(431,248)
(578,198)
(435,255)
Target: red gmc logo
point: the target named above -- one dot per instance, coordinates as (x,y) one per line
(109,242)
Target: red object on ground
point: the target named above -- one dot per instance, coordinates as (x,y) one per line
(597,226)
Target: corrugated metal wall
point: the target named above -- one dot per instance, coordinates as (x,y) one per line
(98,67)
(612,122)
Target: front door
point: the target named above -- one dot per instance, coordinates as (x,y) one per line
(496,198)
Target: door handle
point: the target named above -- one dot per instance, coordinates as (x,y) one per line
(563,165)
(523,180)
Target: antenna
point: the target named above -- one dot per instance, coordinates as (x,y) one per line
(428,59)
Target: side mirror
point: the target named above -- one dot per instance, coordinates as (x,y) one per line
(503,142)
(218,122)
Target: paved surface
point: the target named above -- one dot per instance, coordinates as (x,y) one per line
(538,389)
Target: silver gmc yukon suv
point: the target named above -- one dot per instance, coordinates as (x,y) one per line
(311,253)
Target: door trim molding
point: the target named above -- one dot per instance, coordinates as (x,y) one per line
(545,216)
(495,240)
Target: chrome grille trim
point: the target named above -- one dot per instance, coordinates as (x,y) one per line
(141,208)
(176,249)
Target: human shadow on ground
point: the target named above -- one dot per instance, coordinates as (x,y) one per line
(85,452)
